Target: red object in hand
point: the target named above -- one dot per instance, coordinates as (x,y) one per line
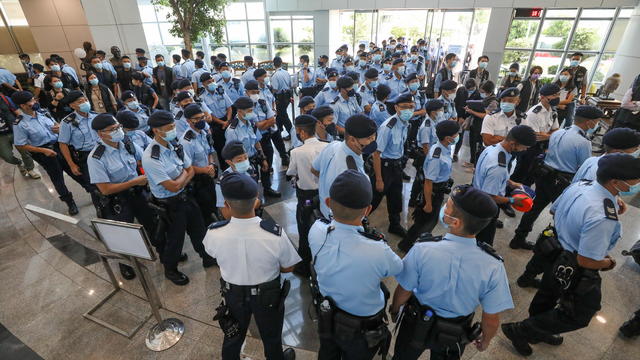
(527,203)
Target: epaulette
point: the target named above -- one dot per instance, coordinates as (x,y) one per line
(495,111)
(18,119)
(218,224)
(610,209)
(179,115)
(155,152)
(427,237)
(388,77)
(70,118)
(382,107)
(99,151)
(351,163)
(128,145)
(335,100)
(502,159)
(362,88)
(359,99)
(537,109)
(189,135)
(436,153)
(323,140)
(489,250)
(326,89)
(392,122)
(271,226)
(234,123)
(376,237)
(324,220)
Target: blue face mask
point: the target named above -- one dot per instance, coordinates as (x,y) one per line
(349,68)
(226,74)
(373,84)
(212,87)
(85,107)
(405,114)
(386,67)
(117,135)
(633,189)
(93,82)
(170,135)
(507,107)
(243,166)
(590,131)
(160,63)
(58,84)
(483,95)
(483,65)
(377,57)
(453,64)
(469,92)
(513,73)
(55,67)
(439,116)
(414,86)
(563,78)
(575,63)
(98,66)
(635,153)
(250,116)
(441,217)
(455,140)
(133,105)
(332,84)
(127,65)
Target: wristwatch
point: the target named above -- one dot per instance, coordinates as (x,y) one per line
(511,200)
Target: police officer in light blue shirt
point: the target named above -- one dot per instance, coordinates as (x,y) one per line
(395,80)
(306,77)
(183,99)
(587,225)
(233,88)
(250,68)
(444,279)
(330,90)
(337,63)
(376,59)
(368,89)
(197,73)
(447,96)
(415,63)
(379,112)
(492,173)
(350,265)
(359,138)
(142,112)
(146,70)
(188,66)
(169,171)
(130,122)
(427,132)
(345,104)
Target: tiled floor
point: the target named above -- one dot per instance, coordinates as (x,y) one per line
(49,282)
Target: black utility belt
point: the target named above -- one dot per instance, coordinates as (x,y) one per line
(391,162)
(126,194)
(182,197)
(306,193)
(443,187)
(358,323)
(253,290)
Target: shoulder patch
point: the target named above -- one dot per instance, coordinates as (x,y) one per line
(99,151)
(155,152)
(335,99)
(189,135)
(502,159)
(351,163)
(218,224)
(326,89)
(392,122)
(537,109)
(18,119)
(610,210)
(271,226)
(382,108)
(70,118)
(362,88)
(489,250)
(495,111)
(375,237)
(323,140)
(427,237)
(179,115)
(436,153)
(234,123)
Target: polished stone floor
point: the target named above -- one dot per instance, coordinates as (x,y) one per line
(50,279)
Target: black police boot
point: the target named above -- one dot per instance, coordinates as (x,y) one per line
(513,332)
(289,354)
(127,271)
(397,229)
(72,208)
(525,280)
(508,210)
(499,224)
(519,241)
(271,193)
(208,261)
(183,257)
(173,274)
(631,327)
(455,158)
(554,340)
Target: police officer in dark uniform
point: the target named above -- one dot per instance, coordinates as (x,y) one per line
(568,149)
(348,267)
(169,171)
(586,218)
(444,279)
(252,253)
(113,168)
(36,132)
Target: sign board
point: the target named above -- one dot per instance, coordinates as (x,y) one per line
(124,238)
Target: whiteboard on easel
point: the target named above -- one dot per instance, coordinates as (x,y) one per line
(124,238)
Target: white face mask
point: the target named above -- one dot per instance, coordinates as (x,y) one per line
(255,97)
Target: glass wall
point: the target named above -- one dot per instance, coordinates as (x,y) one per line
(292,37)
(550,40)
(15,37)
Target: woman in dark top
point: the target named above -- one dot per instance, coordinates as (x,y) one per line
(468,92)
(530,91)
(99,95)
(567,92)
(54,92)
(512,78)
(490,104)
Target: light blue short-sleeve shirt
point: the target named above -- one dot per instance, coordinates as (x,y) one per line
(438,163)
(167,167)
(391,138)
(491,175)
(34,130)
(81,137)
(115,166)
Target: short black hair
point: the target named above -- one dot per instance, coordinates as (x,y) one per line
(101,52)
(277,61)
(23,56)
(450,56)
(483,57)
(185,52)
(304,58)
(140,50)
(488,86)
(159,56)
(309,129)
(471,225)
(200,53)
(577,53)
(38,67)
(176,57)
(469,83)
(324,57)
(221,55)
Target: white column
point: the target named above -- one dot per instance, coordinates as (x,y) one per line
(497,33)
(321,26)
(626,61)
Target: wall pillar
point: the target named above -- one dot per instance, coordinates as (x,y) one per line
(626,61)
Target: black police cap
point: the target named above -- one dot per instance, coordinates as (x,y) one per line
(403,98)
(199,62)
(175,84)
(448,85)
(474,202)
(238,186)
(621,138)
(183,95)
(21,97)
(382,91)
(233,149)
(447,128)
(259,72)
(73,96)
(128,119)
(331,72)
(619,166)
(183,83)
(160,118)
(509,92)
(137,76)
(371,73)
(414,48)
(412,76)
(397,61)
(353,75)
(305,120)
(126,95)
(224,64)
(433,105)
(589,112)
(360,126)
(205,77)
(102,121)
(344,82)
(523,134)
(322,111)
(549,89)
(351,189)
(243,102)
(306,100)
(191,110)
(252,85)
(248,58)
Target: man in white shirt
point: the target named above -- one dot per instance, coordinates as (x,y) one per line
(496,125)
(306,182)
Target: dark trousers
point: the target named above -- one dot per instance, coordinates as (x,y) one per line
(404,350)
(460,141)
(84,179)
(524,165)
(268,319)
(548,188)
(54,168)
(487,234)
(475,141)
(184,216)
(282,117)
(546,318)
(204,192)
(392,178)
(304,213)
(265,176)
(418,181)
(422,221)
(308,91)
(339,349)
(267,147)
(218,144)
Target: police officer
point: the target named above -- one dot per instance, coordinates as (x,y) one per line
(368,89)
(232,87)
(492,174)
(437,182)
(430,293)
(395,80)
(497,124)
(252,253)
(130,123)
(281,84)
(379,112)
(142,111)
(349,267)
(568,149)
(413,83)
(586,218)
(330,90)
(183,99)
(326,129)
(169,171)
(337,63)
(306,183)
(387,161)
(345,103)
(415,64)
(215,96)
(543,119)
(359,139)
(306,105)
(35,131)
(447,96)
(113,168)
(198,145)
(306,77)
